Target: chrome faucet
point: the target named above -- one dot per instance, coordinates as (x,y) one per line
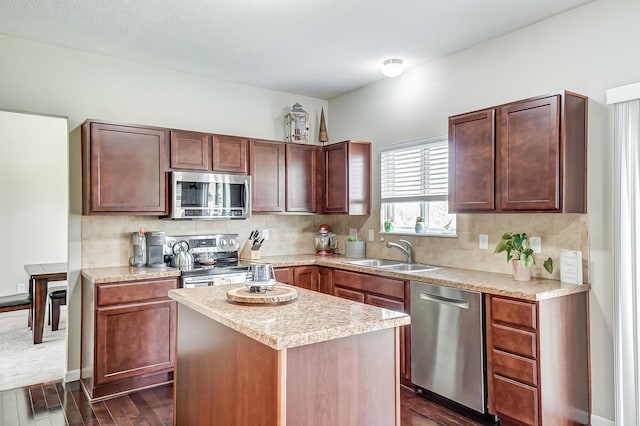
(407,249)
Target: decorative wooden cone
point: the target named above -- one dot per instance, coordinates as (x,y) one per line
(323,136)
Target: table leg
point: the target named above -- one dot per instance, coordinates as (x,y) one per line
(39,301)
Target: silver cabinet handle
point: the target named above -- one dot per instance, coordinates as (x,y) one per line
(462,304)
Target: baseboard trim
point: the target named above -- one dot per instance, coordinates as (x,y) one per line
(601,421)
(71,376)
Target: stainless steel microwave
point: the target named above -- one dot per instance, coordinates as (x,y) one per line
(210,196)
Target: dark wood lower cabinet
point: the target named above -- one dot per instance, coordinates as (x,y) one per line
(128,336)
(538,360)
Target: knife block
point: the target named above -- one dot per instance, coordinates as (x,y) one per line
(247,254)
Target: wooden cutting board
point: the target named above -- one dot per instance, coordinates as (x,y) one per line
(279,294)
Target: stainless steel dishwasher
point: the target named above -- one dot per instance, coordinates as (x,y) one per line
(447,343)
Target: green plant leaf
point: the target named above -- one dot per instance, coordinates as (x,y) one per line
(500,247)
(507,236)
(548,265)
(526,260)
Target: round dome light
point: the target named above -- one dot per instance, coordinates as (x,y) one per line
(392,67)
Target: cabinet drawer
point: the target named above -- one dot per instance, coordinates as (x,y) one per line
(370,284)
(284,275)
(515,367)
(356,296)
(133,292)
(514,312)
(512,340)
(515,400)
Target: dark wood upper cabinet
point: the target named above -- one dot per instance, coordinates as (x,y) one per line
(347,178)
(230,154)
(266,160)
(190,150)
(301,178)
(536,164)
(471,161)
(124,169)
(529,155)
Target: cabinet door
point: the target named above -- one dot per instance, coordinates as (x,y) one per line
(267,176)
(124,169)
(336,185)
(190,150)
(306,277)
(325,283)
(301,167)
(132,340)
(284,275)
(230,154)
(347,178)
(529,159)
(471,161)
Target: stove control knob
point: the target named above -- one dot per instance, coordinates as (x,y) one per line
(223,243)
(232,242)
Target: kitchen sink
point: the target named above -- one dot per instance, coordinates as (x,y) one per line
(374,263)
(392,265)
(410,267)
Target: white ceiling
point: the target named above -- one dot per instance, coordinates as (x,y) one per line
(319,48)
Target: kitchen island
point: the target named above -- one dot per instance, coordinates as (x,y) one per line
(316,360)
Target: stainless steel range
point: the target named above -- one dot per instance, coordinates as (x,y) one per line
(215,260)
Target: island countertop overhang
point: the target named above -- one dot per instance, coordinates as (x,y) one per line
(312,318)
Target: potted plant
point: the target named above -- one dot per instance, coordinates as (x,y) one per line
(354,247)
(420,228)
(519,251)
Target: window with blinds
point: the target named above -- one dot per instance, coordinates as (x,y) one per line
(414,183)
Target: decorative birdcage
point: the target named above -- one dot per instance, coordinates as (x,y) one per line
(297,122)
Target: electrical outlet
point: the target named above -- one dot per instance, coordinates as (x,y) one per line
(484,241)
(265,234)
(21,288)
(536,244)
(371,235)
(353,232)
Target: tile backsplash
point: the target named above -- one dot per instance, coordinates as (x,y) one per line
(106,240)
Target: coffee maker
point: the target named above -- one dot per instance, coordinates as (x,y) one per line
(155,249)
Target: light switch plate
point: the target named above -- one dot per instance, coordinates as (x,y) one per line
(536,244)
(265,234)
(484,241)
(371,236)
(353,232)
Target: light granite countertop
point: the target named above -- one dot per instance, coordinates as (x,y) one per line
(485,282)
(127,273)
(311,318)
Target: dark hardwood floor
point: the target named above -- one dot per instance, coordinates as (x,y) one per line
(58,403)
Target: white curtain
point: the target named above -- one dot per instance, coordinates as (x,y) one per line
(627,261)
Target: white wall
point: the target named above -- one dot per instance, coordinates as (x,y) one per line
(47,79)
(34,194)
(587,50)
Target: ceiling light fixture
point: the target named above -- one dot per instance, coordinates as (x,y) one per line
(392,67)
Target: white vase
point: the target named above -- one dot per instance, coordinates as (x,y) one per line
(519,272)
(354,249)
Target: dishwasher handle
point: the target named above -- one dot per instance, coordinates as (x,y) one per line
(456,303)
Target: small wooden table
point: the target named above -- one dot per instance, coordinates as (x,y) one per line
(39,277)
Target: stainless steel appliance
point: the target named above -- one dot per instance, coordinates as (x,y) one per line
(447,344)
(325,241)
(210,196)
(155,249)
(139,258)
(215,260)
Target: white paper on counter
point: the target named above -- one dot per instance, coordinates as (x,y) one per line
(571,266)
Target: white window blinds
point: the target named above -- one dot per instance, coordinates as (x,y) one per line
(418,172)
